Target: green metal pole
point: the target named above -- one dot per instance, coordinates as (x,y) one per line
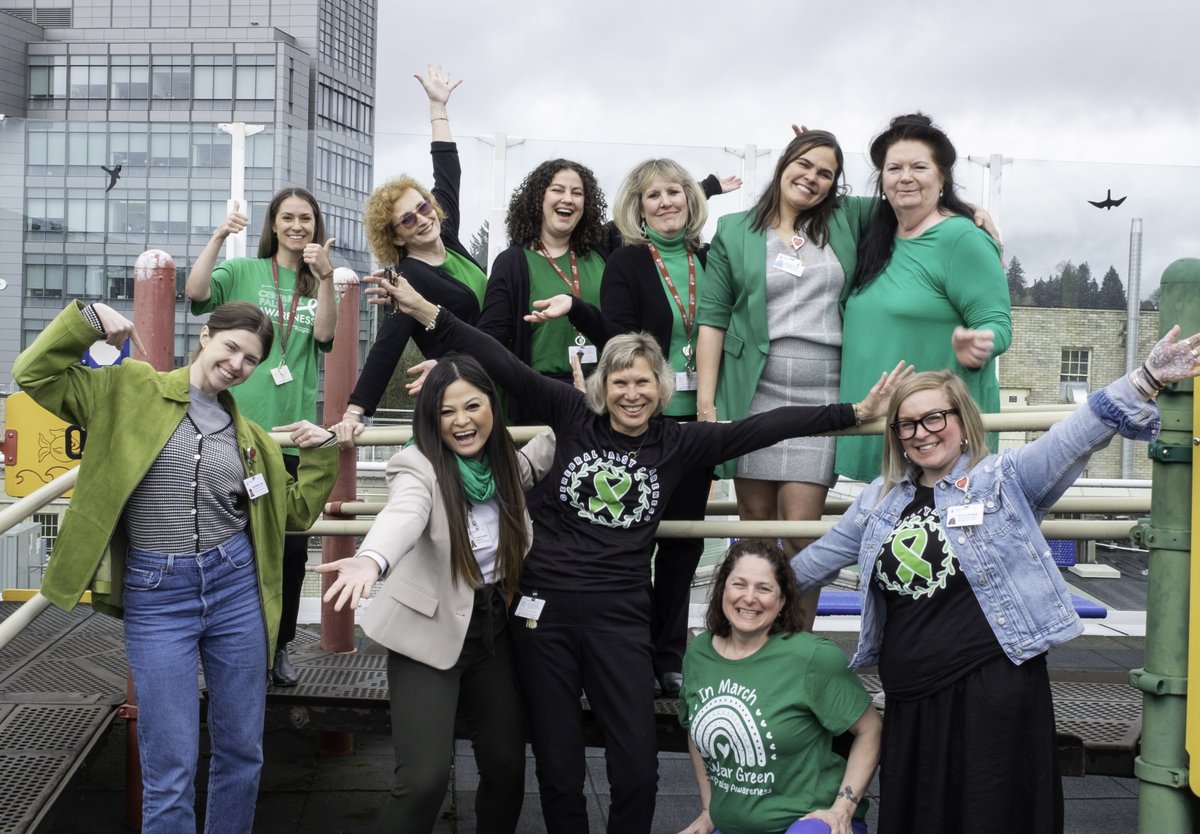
(1166,804)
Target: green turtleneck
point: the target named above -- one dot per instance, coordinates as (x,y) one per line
(674,255)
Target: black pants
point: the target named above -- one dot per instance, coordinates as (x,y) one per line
(424,701)
(675,564)
(295,559)
(596,643)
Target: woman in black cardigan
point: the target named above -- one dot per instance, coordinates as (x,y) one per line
(652,283)
(416,231)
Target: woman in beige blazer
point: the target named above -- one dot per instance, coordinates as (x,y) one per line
(449,546)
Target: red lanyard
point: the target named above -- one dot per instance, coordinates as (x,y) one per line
(572,282)
(689,315)
(284,330)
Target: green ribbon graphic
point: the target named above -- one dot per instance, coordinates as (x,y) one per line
(610,489)
(909,548)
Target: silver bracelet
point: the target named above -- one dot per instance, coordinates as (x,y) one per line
(433,321)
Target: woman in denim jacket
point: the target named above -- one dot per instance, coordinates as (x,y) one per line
(961,599)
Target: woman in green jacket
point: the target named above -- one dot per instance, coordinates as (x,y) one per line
(771,328)
(177,522)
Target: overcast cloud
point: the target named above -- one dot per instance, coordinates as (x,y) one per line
(1084,96)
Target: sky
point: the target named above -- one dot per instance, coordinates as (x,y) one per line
(1082,96)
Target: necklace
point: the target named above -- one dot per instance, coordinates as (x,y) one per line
(629,453)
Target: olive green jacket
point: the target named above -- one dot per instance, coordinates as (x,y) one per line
(130,411)
(734,298)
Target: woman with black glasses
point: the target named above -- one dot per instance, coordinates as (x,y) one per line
(961,599)
(416,230)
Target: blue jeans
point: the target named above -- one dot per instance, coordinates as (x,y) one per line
(180,608)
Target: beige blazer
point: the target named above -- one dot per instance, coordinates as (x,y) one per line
(420,612)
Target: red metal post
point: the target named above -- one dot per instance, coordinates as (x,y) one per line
(154,307)
(154,320)
(341,372)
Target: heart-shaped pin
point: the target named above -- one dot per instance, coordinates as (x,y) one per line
(797,242)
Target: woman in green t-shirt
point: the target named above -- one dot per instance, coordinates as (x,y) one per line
(762,701)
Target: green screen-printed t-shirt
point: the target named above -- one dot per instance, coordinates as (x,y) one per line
(550,340)
(467,273)
(259,398)
(764,726)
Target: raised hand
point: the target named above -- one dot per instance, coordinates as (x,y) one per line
(233,223)
(420,371)
(1171,361)
(876,402)
(316,256)
(438,85)
(730,183)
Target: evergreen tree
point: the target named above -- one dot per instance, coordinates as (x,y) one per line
(1112,292)
(478,247)
(1089,297)
(1017,291)
(1072,286)
(1046,292)
(1151,303)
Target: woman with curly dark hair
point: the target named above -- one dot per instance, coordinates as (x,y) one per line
(556,228)
(415,231)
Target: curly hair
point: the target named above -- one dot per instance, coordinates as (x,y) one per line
(791,619)
(377,217)
(524,219)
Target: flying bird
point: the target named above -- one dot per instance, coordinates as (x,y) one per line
(1108,203)
(114,174)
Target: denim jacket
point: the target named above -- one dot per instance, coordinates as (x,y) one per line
(1005,558)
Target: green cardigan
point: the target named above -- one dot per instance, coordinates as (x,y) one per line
(130,411)
(735,298)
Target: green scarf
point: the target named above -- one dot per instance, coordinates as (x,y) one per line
(477,480)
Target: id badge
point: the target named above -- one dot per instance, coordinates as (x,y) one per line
(964,515)
(789,264)
(685,381)
(281,374)
(586,353)
(531,609)
(256,486)
(477,533)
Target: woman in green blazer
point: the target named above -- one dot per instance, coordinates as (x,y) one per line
(771,327)
(177,523)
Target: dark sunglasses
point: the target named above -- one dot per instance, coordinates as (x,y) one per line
(409,218)
(933,422)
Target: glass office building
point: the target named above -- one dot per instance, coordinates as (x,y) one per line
(89,85)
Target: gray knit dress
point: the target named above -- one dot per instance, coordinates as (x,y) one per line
(805,328)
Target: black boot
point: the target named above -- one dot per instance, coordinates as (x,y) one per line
(283,673)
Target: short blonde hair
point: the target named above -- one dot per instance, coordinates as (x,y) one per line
(620,352)
(627,211)
(377,217)
(895,466)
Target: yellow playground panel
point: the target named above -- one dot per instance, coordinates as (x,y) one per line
(38,446)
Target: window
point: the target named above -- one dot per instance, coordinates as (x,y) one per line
(212,78)
(48,77)
(129,78)
(1074,367)
(171,77)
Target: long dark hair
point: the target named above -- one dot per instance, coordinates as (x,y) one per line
(524,219)
(792,617)
(767,209)
(500,452)
(875,249)
(268,244)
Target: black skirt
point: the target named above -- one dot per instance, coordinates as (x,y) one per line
(978,756)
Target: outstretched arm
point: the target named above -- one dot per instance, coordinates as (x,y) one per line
(438,88)
(199,281)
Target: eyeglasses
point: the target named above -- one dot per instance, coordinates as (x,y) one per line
(409,218)
(933,422)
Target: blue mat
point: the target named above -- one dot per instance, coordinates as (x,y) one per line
(835,601)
